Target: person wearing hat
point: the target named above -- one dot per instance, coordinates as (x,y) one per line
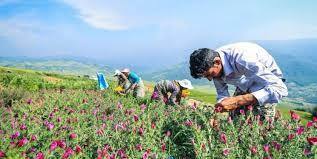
(122,80)
(136,85)
(176,88)
(247,66)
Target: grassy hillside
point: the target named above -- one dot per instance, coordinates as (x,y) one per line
(35,80)
(57,65)
(79,121)
(31,80)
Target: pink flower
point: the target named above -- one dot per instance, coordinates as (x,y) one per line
(146,154)
(155,95)
(229,119)
(50,126)
(59,119)
(61,144)
(33,137)
(29,101)
(121,153)
(226,152)
(129,111)
(68,153)
(163,147)
(153,125)
(110,117)
(291,136)
(73,136)
(32,150)
(138,147)
(2,154)
(312,140)
(253,150)
(266,148)
(22,142)
(135,118)
(77,149)
(258,117)
(51,115)
(95,111)
(168,133)
(188,123)
(223,138)
(53,145)
(315,119)
(300,130)
(309,124)
(294,116)
(307,152)
(141,131)
(194,106)
(23,127)
(203,146)
(276,145)
(242,111)
(143,107)
(39,155)
(250,107)
(119,105)
(15,135)
(218,109)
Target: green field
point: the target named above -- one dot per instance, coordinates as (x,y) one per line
(46,115)
(35,80)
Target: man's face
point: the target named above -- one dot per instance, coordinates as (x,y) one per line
(215,71)
(126,73)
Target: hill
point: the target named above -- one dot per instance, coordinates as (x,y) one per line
(81,122)
(63,65)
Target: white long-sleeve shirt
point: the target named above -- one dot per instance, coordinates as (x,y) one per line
(252,69)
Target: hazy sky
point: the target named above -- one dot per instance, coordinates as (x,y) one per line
(145,31)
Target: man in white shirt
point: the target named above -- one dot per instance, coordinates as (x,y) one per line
(249,67)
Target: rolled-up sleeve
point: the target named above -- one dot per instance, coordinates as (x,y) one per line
(174,97)
(267,87)
(222,89)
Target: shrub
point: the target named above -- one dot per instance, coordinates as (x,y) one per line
(10,95)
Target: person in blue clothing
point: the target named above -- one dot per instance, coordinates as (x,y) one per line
(136,86)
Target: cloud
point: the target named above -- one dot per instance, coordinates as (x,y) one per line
(99,14)
(27,34)
(20,29)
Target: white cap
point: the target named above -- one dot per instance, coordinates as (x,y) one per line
(117,73)
(186,83)
(125,70)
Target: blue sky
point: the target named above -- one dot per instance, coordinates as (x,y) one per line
(144,32)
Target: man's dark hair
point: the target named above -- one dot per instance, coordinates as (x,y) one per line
(200,61)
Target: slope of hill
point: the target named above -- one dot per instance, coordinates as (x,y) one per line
(68,65)
(86,123)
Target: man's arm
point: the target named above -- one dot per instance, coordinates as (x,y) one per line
(222,89)
(232,103)
(272,91)
(131,87)
(174,99)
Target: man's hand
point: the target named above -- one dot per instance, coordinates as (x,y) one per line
(227,104)
(232,103)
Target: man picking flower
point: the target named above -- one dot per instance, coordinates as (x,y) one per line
(247,66)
